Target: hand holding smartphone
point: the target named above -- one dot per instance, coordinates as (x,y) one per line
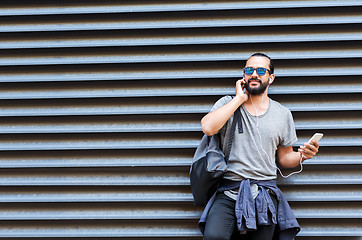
(308,153)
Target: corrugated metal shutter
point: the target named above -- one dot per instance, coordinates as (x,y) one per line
(101,102)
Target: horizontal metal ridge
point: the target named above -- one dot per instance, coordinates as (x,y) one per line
(91,229)
(124,92)
(334,141)
(145,127)
(161,197)
(170,7)
(312,108)
(58,59)
(49,25)
(147,231)
(164,212)
(100,214)
(83,177)
(315,89)
(78,111)
(328,213)
(169,92)
(174,74)
(88,142)
(102,197)
(105,232)
(161,109)
(316,196)
(100,144)
(91,162)
(331,124)
(320,178)
(331,229)
(321,159)
(80,177)
(101,128)
(220,38)
(330,233)
(140,161)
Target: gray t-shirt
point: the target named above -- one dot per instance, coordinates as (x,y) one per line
(253,153)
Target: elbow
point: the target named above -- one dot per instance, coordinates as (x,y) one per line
(207,129)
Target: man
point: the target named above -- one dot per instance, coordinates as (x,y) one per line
(250,179)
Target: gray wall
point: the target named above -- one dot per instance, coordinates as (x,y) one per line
(101,103)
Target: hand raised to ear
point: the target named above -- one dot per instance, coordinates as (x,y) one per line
(239,90)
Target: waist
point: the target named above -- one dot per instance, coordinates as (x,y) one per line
(227,184)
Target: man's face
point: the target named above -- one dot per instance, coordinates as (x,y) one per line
(256,84)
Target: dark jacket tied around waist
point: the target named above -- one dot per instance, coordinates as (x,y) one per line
(250,213)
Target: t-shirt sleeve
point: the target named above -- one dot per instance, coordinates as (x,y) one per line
(289,136)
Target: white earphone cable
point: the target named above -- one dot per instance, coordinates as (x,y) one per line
(270,162)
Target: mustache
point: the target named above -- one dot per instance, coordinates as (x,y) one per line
(254,79)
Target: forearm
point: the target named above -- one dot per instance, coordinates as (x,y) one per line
(290,159)
(214,121)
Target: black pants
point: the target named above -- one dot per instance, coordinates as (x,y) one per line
(221,222)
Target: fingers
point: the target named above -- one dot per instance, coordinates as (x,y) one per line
(241,83)
(316,144)
(305,153)
(309,150)
(239,89)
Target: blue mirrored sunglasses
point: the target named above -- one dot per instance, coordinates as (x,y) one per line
(260,71)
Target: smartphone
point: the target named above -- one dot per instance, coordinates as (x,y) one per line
(316,136)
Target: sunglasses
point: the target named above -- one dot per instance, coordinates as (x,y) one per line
(260,71)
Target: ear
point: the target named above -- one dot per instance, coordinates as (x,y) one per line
(271,78)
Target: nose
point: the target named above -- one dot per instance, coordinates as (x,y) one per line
(254,74)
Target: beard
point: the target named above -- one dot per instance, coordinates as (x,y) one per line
(256,91)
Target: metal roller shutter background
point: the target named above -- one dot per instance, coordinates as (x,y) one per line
(101,102)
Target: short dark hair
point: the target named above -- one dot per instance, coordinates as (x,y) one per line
(271,63)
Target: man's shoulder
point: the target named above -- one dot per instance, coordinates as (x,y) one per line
(278,106)
(226,99)
(221,102)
